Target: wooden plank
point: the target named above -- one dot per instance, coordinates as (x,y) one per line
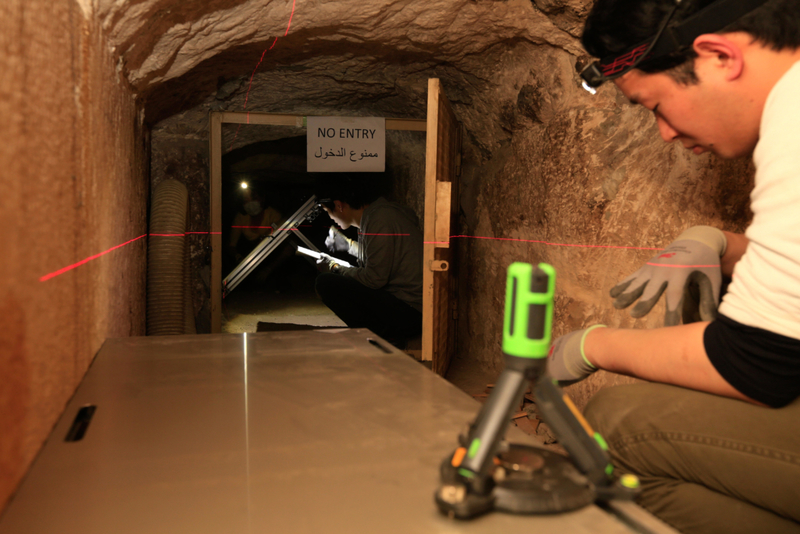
(441,295)
(443,216)
(446,282)
(413,125)
(215,162)
(429,216)
(272,119)
(299,121)
(441,189)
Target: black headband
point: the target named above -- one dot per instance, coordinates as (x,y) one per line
(669,38)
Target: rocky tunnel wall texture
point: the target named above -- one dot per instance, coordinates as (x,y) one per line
(73,171)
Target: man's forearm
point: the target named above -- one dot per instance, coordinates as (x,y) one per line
(671,355)
(736,245)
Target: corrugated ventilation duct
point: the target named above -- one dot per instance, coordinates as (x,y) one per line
(169,296)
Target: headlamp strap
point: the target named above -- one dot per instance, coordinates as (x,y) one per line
(711,18)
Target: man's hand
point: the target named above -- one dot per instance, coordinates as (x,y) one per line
(336,241)
(566,361)
(327,264)
(688,270)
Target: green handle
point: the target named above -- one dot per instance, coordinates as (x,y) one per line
(528,319)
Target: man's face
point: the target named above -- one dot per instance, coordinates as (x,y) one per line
(701,116)
(339,214)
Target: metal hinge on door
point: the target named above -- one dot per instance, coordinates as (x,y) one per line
(439,265)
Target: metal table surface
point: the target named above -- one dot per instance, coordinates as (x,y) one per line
(285,432)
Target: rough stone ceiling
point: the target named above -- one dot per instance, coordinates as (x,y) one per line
(369,57)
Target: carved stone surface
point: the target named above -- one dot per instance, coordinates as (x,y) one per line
(73,176)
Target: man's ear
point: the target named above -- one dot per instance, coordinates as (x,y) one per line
(721,53)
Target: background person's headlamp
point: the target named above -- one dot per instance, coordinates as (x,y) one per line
(668,39)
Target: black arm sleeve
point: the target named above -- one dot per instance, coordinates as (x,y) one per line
(763,365)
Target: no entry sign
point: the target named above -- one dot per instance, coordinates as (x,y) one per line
(346,144)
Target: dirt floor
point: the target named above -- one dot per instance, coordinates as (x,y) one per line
(287,297)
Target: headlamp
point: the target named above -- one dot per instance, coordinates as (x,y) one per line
(676,36)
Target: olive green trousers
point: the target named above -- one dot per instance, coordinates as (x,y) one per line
(707,464)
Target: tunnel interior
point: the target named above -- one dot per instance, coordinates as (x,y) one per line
(111,97)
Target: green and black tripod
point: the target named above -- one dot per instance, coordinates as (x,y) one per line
(485,472)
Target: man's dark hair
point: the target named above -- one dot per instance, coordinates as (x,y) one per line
(614,26)
(357,189)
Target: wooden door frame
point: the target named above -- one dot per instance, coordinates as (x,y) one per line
(441,203)
(216,120)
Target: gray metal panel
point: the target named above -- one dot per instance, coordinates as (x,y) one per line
(285,432)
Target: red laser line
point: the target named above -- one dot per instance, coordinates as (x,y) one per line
(247,95)
(250,85)
(290,19)
(90,258)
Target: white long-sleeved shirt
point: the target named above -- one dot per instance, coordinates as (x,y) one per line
(765,291)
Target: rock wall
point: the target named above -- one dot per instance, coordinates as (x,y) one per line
(584,183)
(73,174)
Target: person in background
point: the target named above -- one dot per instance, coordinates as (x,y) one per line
(252,223)
(715,439)
(384,291)
(255,222)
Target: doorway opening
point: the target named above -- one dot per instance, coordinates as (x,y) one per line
(270,172)
(442,163)
(263,183)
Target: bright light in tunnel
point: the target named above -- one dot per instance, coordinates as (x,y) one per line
(244,185)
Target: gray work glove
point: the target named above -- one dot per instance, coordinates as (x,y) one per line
(336,241)
(566,361)
(688,270)
(327,264)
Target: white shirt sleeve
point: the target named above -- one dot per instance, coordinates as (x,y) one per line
(765,291)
